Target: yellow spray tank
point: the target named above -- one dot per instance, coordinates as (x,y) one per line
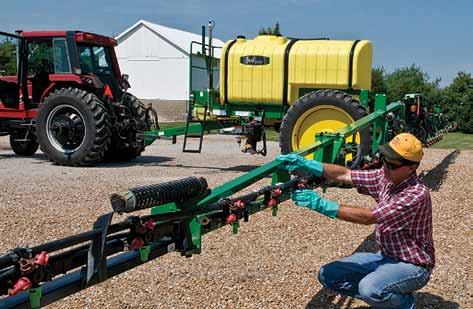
(274,69)
(299,86)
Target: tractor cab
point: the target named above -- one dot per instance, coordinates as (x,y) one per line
(44,60)
(9,71)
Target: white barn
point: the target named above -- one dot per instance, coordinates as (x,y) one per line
(157,60)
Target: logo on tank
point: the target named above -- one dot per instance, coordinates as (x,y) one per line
(254,60)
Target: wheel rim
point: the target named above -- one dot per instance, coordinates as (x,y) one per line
(321,118)
(65,128)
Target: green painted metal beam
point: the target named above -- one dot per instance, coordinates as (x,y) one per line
(241,182)
(181,130)
(247,179)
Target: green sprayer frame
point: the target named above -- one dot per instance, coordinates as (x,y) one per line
(96,255)
(326,149)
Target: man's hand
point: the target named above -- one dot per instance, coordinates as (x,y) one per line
(297,162)
(310,199)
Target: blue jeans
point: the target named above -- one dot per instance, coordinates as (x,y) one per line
(377,279)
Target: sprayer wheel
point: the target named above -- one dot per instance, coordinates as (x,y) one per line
(322,111)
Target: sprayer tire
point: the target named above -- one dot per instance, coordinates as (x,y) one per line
(312,113)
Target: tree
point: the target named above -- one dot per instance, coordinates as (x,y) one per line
(457,101)
(411,80)
(40,57)
(7,58)
(270,31)
(378,82)
(276,30)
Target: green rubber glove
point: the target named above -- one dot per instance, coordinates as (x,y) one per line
(297,162)
(310,199)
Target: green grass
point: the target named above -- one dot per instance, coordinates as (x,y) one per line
(452,140)
(272,135)
(455,140)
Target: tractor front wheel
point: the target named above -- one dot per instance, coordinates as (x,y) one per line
(322,111)
(73,127)
(23,144)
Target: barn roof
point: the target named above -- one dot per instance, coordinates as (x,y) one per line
(179,38)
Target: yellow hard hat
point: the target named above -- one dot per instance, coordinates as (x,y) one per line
(403,146)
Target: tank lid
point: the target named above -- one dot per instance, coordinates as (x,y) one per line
(269,38)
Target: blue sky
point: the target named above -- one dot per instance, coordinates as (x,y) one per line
(436,35)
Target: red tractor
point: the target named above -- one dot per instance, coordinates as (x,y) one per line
(63,91)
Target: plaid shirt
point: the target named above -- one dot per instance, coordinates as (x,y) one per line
(403,216)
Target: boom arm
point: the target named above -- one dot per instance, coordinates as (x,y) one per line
(176,226)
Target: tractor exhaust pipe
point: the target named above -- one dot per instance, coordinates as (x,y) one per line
(203,41)
(211,54)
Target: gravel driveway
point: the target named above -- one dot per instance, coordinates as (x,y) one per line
(271,263)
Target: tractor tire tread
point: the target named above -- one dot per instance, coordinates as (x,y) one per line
(91,106)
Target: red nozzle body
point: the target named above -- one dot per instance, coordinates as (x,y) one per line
(22,284)
(231,218)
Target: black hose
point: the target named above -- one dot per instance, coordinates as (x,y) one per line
(355,163)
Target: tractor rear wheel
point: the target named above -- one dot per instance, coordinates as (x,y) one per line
(124,145)
(73,127)
(23,144)
(322,111)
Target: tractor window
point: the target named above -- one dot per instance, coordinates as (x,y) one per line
(61,56)
(85,60)
(40,57)
(9,90)
(95,59)
(8,63)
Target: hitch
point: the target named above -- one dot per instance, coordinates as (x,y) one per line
(255,132)
(153,117)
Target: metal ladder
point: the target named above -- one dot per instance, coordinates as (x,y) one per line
(200,135)
(190,118)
